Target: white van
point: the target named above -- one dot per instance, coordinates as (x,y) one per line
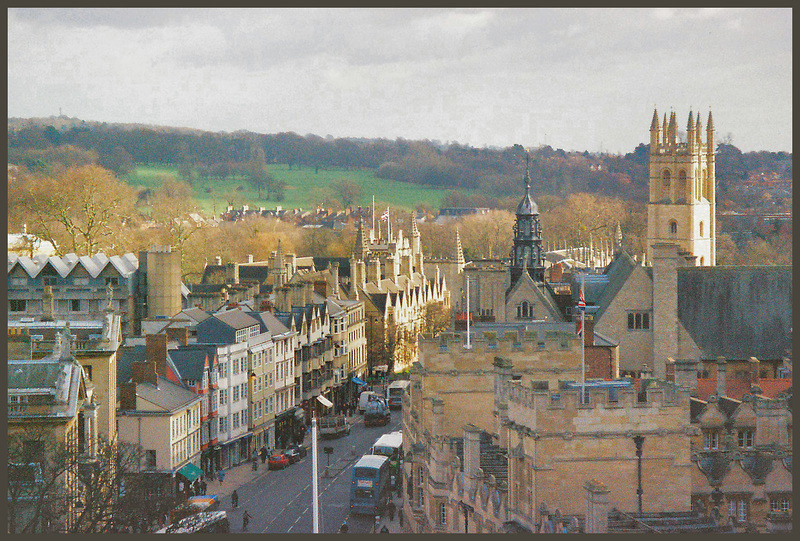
(365,397)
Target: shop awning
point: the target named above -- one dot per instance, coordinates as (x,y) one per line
(191,472)
(358,381)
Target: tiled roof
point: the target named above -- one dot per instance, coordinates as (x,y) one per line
(736,388)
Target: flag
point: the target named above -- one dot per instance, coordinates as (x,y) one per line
(385,215)
(581,308)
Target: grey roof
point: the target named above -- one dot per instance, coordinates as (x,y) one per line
(167,396)
(126,265)
(236,319)
(493,458)
(272,323)
(126,356)
(196,314)
(618,272)
(59,379)
(190,360)
(737,312)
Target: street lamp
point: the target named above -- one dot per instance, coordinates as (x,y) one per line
(639,441)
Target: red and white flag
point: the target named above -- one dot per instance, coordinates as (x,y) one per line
(385,215)
(581,308)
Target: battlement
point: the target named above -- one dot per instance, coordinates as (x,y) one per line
(526,396)
(490,342)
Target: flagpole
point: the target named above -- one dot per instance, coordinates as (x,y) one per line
(315,480)
(583,342)
(468,344)
(373,215)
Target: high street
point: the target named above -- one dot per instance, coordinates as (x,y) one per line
(280,501)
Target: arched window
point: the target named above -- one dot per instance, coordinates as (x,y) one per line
(702,261)
(701,229)
(681,184)
(666,177)
(673,227)
(704,187)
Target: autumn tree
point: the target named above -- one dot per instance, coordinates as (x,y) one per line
(79,210)
(172,208)
(437,318)
(347,191)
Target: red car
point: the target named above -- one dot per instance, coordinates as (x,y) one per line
(277,461)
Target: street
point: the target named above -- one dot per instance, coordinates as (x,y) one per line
(280,501)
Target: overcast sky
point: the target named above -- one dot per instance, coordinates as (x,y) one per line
(576,79)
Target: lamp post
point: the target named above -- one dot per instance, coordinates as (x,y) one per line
(639,441)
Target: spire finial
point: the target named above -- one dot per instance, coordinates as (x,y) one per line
(527,170)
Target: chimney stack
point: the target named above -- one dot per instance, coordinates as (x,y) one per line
(335,275)
(588,334)
(144,372)
(156,352)
(754,368)
(127,395)
(181,334)
(249,258)
(218,260)
(721,369)
(472,451)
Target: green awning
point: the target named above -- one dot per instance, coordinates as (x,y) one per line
(191,472)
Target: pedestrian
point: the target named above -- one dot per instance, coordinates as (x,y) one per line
(390,507)
(203,486)
(384,529)
(221,476)
(400,516)
(263,454)
(245,520)
(344,528)
(235,499)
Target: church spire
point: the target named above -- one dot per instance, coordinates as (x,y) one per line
(526,255)
(459,255)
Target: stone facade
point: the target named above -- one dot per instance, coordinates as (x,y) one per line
(682,203)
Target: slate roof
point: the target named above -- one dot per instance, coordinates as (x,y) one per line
(493,459)
(196,314)
(253,272)
(57,378)
(618,272)
(757,465)
(190,360)
(167,396)
(236,319)
(737,312)
(270,323)
(126,356)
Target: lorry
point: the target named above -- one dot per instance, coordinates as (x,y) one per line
(364,398)
(333,426)
(377,413)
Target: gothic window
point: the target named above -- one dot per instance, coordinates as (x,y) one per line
(666,177)
(527,256)
(701,229)
(524,310)
(673,227)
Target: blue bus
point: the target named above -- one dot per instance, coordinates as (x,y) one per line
(370,490)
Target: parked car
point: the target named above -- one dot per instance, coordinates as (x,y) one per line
(301,450)
(278,460)
(292,454)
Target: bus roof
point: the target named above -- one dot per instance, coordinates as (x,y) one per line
(370,461)
(393,439)
(399,384)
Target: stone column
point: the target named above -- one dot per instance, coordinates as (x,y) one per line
(665,306)
(596,507)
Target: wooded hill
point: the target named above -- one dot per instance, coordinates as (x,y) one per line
(493,173)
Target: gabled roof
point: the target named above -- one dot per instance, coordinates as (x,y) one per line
(235,319)
(618,272)
(190,360)
(126,265)
(168,397)
(737,312)
(195,314)
(272,323)
(542,292)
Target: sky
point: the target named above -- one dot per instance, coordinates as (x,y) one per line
(577,79)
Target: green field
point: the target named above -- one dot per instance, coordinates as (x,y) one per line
(304,189)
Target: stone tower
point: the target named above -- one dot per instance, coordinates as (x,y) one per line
(527,251)
(682,194)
